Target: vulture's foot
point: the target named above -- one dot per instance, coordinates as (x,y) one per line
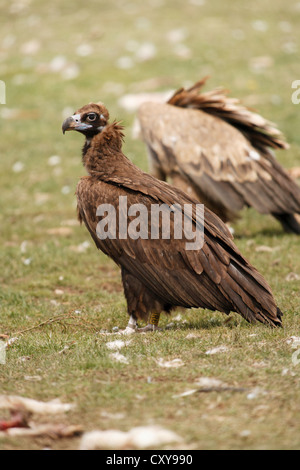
(152,325)
(129,330)
(148,328)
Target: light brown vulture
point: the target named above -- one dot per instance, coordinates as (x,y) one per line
(159,274)
(215,149)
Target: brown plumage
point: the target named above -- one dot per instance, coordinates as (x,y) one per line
(220,152)
(160,274)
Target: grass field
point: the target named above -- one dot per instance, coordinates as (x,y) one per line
(58,295)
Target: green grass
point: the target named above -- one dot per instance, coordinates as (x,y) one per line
(84,288)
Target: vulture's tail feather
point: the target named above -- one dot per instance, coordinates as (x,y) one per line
(259,131)
(251,295)
(288,222)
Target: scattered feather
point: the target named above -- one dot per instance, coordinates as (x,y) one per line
(84,50)
(260,25)
(292,277)
(186,393)
(145,52)
(81,248)
(119,358)
(137,438)
(192,336)
(59,292)
(205,382)
(54,160)
(259,64)
(168,364)
(53,431)
(266,249)
(117,344)
(18,167)
(65,190)
(294,341)
(106,414)
(12,402)
(216,350)
(124,63)
(70,72)
(33,378)
(60,231)
(176,35)
(256,393)
(30,47)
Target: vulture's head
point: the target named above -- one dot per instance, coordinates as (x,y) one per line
(89,120)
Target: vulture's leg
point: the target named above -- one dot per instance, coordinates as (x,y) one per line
(140,304)
(152,325)
(131,326)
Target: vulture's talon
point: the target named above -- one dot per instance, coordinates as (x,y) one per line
(148,329)
(129,330)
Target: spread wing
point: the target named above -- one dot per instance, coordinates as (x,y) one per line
(216,277)
(221,148)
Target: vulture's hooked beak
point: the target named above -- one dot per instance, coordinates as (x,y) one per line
(73,123)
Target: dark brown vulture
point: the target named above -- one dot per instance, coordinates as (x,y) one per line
(159,272)
(215,149)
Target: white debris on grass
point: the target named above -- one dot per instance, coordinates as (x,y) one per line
(81,248)
(124,63)
(176,35)
(108,415)
(206,382)
(292,277)
(59,292)
(142,437)
(12,402)
(146,51)
(119,358)
(182,51)
(256,393)
(117,344)
(10,342)
(18,167)
(52,431)
(84,50)
(60,231)
(65,190)
(169,364)
(260,25)
(54,160)
(30,47)
(217,349)
(186,393)
(24,246)
(70,72)
(261,63)
(294,341)
(202,383)
(266,249)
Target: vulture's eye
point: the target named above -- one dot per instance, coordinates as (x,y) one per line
(92,117)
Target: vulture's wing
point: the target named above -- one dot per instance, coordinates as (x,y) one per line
(221,148)
(216,277)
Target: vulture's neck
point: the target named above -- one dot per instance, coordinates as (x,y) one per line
(102,154)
